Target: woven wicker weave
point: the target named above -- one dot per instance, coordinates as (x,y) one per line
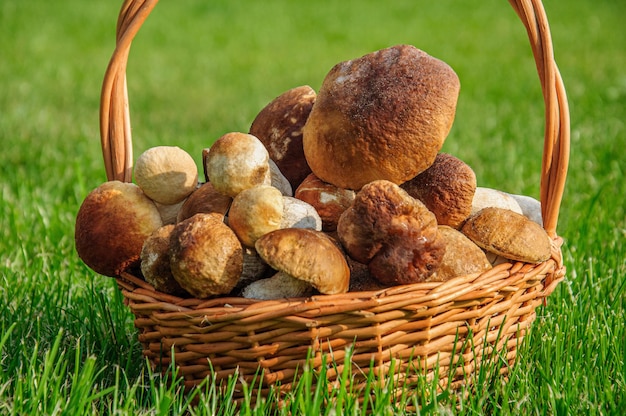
(426,327)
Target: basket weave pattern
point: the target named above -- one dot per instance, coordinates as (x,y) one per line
(424,328)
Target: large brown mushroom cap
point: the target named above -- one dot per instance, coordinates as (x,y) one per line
(446,188)
(392,232)
(279,126)
(205,255)
(307,255)
(112,224)
(382,116)
(508,234)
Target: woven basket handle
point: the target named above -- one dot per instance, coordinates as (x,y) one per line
(115,132)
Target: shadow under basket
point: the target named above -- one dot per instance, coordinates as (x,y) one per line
(442,330)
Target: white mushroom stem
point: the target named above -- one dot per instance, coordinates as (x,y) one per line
(281,285)
(299,214)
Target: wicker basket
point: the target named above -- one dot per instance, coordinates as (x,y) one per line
(432,329)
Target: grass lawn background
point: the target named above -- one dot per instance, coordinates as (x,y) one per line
(199,69)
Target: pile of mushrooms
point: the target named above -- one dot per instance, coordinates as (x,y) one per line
(344,189)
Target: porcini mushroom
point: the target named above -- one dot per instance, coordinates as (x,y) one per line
(384,116)
(235,162)
(155,262)
(206,257)
(206,199)
(328,200)
(508,234)
(446,188)
(167,174)
(462,256)
(392,232)
(112,224)
(306,255)
(279,126)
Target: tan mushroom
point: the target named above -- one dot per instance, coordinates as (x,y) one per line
(462,256)
(206,257)
(256,211)
(382,116)
(279,126)
(112,224)
(446,188)
(307,255)
(508,234)
(167,174)
(235,162)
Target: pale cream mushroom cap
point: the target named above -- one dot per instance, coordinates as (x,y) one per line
(307,255)
(237,161)
(256,211)
(167,174)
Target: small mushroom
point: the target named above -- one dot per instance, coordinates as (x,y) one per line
(307,255)
(155,262)
(256,211)
(279,126)
(462,256)
(235,162)
(205,200)
(167,174)
(446,188)
(206,257)
(328,200)
(392,232)
(112,224)
(508,234)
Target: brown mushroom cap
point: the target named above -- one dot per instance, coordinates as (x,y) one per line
(508,234)
(395,234)
(328,200)
(382,116)
(167,174)
(206,257)
(279,126)
(307,255)
(462,256)
(206,199)
(155,262)
(446,188)
(237,161)
(112,224)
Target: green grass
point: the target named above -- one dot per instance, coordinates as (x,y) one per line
(200,69)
